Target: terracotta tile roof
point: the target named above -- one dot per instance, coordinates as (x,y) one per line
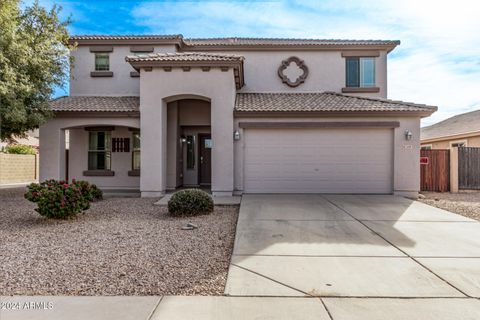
(96,104)
(459,124)
(283,41)
(321,102)
(185,56)
(127,37)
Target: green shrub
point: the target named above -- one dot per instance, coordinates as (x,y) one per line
(61,200)
(20,149)
(190,202)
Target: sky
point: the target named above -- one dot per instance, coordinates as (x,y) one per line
(437,63)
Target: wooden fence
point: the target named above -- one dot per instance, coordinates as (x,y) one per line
(468,168)
(435,172)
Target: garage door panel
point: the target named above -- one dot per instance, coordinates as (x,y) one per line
(318,160)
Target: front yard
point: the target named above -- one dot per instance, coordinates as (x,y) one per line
(121,246)
(465,203)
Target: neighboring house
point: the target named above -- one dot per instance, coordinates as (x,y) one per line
(31,139)
(462,130)
(241,115)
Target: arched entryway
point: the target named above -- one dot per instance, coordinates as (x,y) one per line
(189,142)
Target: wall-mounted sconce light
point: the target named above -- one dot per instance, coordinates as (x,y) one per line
(408,135)
(183,139)
(236,135)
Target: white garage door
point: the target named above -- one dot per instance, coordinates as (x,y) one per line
(318,160)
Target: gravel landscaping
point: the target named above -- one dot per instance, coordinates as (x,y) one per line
(465,203)
(121,246)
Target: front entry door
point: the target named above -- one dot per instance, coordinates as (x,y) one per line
(205,153)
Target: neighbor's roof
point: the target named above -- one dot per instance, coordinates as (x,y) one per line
(185,56)
(96,104)
(322,102)
(460,124)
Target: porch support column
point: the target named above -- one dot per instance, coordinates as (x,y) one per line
(172,145)
(52,152)
(153,162)
(222,150)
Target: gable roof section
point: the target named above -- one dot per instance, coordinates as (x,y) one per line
(95,104)
(326,102)
(191,59)
(460,124)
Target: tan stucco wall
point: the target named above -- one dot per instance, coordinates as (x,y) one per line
(326,72)
(121,84)
(121,161)
(216,86)
(52,143)
(445,144)
(406,177)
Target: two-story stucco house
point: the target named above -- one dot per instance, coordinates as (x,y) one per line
(242,115)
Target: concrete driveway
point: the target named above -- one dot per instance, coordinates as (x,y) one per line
(357,253)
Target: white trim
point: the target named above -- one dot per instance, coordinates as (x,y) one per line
(430,146)
(458,141)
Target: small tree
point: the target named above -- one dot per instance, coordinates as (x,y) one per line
(34,58)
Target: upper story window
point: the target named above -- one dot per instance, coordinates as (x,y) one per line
(99,150)
(360,72)
(102,62)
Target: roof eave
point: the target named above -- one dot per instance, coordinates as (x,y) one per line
(250,114)
(289,47)
(236,65)
(100,114)
(451,136)
(132,41)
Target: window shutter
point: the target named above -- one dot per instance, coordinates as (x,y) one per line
(353,72)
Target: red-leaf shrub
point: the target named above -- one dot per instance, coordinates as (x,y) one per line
(61,200)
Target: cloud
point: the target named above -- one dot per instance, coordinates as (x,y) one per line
(438,62)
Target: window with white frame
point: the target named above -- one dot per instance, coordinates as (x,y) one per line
(99,150)
(360,72)
(426,147)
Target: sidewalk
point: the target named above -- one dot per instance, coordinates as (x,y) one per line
(236,308)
